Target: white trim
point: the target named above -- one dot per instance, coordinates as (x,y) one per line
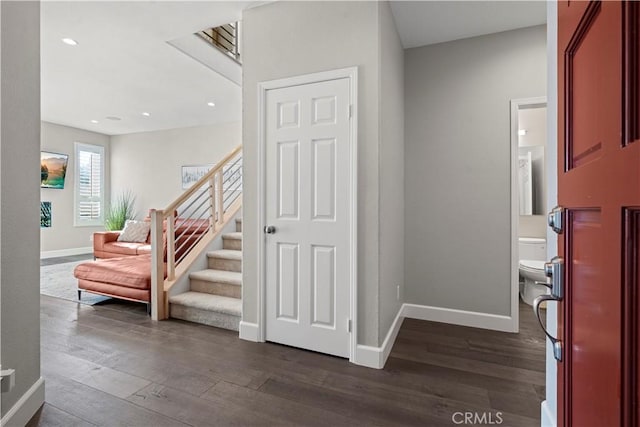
(66,252)
(517,104)
(249,331)
(97,149)
(350,73)
(376,357)
(546,417)
(368,356)
(458,317)
(26,406)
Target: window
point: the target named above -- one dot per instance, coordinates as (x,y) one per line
(89,185)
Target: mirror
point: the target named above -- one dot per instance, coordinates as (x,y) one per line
(532,139)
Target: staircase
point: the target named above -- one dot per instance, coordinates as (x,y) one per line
(181,235)
(215,294)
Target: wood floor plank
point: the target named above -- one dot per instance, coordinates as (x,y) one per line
(283,410)
(366,411)
(100,408)
(470,365)
(196,411)
(99,377)
(178,373)
(50,416)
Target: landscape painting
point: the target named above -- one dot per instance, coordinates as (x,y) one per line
(53,169)
(191,174)
(45,214)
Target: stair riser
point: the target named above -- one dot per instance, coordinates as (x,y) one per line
(216,288)
(239,226)
(205,317)
(233,244)
(225,264)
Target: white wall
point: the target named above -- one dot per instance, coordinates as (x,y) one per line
(549,406)
(63,234)
(307,37)
(19,210)
(457,166)
(391,124)
(149,163)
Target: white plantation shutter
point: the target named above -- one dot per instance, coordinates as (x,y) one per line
(89,184)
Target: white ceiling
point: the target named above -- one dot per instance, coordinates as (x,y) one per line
(421,23)
(123,65)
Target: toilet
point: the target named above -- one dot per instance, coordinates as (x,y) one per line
(533,253)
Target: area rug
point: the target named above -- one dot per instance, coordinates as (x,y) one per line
(57,281)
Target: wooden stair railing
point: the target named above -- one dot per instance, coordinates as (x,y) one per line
(181,231)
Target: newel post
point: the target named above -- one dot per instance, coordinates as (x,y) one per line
(157,266)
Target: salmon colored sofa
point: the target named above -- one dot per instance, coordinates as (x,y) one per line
(125,278)
(106,245)
(123,269)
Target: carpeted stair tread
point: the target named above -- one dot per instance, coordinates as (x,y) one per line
(226,254)
(236,235)
(219,276)
(209,302)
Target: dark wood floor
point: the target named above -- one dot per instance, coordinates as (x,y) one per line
(64,259)
(110,365)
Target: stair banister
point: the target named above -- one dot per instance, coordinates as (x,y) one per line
(198,232)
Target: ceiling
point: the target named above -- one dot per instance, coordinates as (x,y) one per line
(123,65)
(421,23)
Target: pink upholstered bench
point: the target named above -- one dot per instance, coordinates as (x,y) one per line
(126,278)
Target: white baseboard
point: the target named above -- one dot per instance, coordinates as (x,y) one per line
(249,331)
(458,317)
(66,252)
(376,357)
(368,356)
(26,406)
(547,419)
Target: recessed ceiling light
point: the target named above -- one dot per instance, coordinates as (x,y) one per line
(94,121)
(114,118)
(70,42)
(211,104)
(146,114)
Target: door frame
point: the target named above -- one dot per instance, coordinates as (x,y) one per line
(350,73)
(516,105)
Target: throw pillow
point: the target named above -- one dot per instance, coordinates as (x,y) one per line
(135,231)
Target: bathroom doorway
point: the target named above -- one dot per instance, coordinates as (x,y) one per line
(528,205)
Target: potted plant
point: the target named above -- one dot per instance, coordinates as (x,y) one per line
(120,211)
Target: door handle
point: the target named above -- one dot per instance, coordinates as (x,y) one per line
(269,229)
(555,342)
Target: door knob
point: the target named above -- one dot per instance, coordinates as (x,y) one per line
(269,229)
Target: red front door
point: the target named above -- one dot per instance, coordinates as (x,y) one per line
(599,186)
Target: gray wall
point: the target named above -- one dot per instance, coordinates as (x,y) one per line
(391,170)
(457,165)
(20,195)
(149,164)
(63,234)
(307,37)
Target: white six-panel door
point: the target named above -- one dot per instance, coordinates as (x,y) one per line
(307,201)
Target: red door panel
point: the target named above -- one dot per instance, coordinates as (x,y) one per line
(599,185)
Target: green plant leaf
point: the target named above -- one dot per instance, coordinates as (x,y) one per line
(121,210)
